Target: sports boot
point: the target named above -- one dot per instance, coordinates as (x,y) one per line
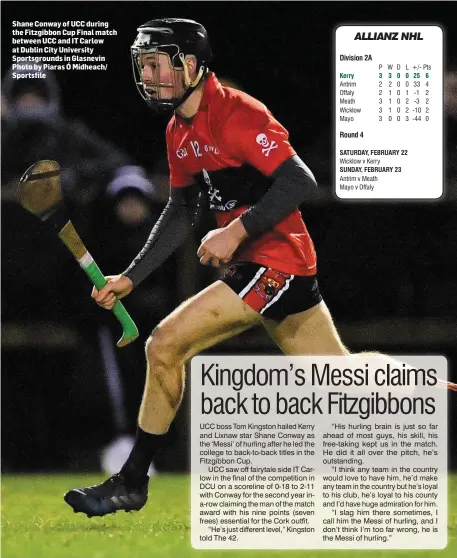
(108,497)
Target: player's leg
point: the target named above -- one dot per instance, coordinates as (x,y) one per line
(211,316)
(293,312)
(311,332)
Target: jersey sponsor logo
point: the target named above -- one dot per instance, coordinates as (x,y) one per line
(228,206)
(181,153)
(213,194)
(214,197)
(267,146)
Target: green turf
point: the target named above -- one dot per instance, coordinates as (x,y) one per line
(36,523)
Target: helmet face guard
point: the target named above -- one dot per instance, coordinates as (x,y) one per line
(170,85)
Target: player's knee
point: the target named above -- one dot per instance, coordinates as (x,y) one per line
(163,348)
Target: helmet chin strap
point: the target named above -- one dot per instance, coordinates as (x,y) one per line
(187,80)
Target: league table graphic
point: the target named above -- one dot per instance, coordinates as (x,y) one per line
(389,112)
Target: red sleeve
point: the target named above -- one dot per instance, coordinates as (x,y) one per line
(254,136)
(178,176)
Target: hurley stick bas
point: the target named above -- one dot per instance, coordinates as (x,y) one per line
(40,194)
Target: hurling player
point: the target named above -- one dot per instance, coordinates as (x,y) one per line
(225,149)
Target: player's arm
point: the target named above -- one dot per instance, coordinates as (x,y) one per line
(254,137)
(172,227)
(293,182)
(168,234)
(259,140)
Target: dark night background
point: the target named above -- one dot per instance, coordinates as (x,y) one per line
(387,270)
(279,52)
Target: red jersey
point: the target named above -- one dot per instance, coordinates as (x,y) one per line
(231,148)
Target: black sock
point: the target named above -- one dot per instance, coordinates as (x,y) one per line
(146,445)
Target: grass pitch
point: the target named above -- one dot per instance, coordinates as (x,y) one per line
(36,523)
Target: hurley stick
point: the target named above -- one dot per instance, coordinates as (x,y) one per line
(41,195)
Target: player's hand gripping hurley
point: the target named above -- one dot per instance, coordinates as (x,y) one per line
(41,195)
